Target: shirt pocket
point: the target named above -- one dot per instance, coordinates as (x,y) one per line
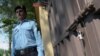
(15,31)
(27,29)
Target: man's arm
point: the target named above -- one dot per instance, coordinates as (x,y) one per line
(38,40)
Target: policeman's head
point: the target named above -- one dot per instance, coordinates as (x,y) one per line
(20,11)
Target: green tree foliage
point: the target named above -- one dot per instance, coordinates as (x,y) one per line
(2,52)
(7,7)
(7,26)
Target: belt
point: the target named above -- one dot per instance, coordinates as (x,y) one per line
(26,50)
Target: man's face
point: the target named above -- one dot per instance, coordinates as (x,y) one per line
(21,14)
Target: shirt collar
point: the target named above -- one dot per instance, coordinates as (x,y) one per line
(22,21)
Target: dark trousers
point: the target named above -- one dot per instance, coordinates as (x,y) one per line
(27,52)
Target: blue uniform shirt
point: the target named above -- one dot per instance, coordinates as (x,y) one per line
(25,34)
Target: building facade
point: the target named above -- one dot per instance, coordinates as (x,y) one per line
(74,27)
